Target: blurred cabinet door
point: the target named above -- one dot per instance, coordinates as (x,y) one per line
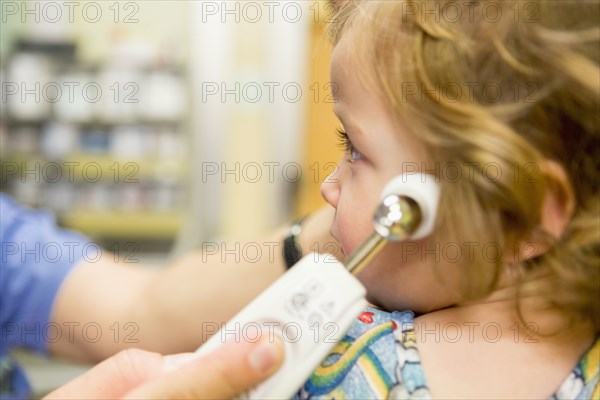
(321,152)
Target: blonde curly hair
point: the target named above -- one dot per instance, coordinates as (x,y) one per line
(505,84)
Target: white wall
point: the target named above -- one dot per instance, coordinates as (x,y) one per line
(257,46)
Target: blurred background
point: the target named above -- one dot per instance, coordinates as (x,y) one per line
(165,123)
(154,126)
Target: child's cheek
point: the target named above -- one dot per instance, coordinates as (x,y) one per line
(353,233)
(358,202)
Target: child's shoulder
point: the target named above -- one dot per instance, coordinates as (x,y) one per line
(482,357)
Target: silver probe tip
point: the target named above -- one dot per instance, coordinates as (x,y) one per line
(395,219)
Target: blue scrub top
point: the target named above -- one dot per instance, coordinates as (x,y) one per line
(35,258)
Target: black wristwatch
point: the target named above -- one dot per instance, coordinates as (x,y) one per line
(292,253)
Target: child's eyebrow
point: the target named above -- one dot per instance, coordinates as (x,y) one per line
(347,123)
(338,110)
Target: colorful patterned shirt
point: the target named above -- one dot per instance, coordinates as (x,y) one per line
(378,359)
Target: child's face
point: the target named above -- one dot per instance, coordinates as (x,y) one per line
(380,147)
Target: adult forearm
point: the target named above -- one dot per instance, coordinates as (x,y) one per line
(200,291)
(192,298)
(112,306)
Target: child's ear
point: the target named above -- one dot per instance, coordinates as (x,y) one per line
(559,199)
(556,213)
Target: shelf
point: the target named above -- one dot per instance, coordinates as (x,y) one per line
(15,121)
(91,156)
(164,225)
(83,167)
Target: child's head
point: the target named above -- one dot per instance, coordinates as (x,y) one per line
(499,100)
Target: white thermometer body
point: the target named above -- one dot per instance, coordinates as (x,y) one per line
(310,308)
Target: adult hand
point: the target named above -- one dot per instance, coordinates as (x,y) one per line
(135,374)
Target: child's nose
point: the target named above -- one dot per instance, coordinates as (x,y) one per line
(330,189)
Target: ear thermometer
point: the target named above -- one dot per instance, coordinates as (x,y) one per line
(313,305)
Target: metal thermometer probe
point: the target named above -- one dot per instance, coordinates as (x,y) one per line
(396,218)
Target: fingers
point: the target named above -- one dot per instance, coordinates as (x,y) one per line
(113,377)
(230,370)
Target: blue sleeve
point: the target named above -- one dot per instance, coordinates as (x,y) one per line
(35,258)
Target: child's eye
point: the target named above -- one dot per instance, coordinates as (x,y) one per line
(347,145)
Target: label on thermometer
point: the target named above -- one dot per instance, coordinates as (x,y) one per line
(310,308)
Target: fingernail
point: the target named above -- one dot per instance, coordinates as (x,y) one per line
(264,357)
(175,361)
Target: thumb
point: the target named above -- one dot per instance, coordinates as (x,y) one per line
(224,373)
